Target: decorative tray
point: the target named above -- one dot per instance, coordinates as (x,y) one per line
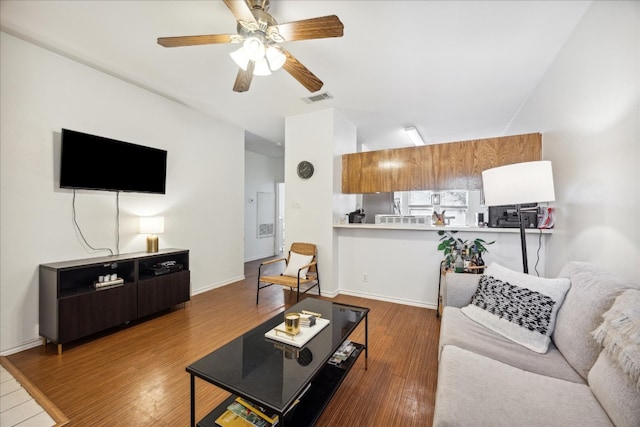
(306,333)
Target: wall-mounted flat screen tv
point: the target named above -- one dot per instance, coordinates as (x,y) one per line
(97,163)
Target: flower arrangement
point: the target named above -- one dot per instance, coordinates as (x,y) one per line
(438,218)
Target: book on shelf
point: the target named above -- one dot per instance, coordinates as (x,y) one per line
(108,283)
(244,414)
(307,320)
(229,419)
(342,353)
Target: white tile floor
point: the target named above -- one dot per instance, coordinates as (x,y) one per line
(17,407)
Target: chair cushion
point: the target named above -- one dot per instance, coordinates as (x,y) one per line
(288,281)
(296,261)
(518,306)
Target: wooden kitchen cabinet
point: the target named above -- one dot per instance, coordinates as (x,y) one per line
(455,165)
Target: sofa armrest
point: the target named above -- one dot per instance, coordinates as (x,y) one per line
(458,288)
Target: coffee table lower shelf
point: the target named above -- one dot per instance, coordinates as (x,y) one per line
(312,403)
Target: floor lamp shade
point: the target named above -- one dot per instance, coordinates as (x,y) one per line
(518,184)
(152,226)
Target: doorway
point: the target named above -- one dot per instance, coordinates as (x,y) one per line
(280,227)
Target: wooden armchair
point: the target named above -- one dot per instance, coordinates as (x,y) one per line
(301,268)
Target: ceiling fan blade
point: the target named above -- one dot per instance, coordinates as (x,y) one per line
(243,79)
(301,73)
(195,40)
(314,28)
(240,10)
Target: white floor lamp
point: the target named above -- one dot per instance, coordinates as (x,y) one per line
(518,184)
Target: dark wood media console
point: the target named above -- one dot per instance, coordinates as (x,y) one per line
(72,308)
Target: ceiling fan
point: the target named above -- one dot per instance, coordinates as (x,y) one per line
(261,35)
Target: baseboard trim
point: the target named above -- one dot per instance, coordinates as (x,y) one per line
(22,347)
(330,294)
(255,258)
(46,404)
(387,299)
(217,285)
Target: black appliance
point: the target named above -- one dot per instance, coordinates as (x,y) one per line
(96,163)
(507,216)
(163,268)
(357,217)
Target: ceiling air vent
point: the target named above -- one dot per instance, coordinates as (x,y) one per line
(317,98)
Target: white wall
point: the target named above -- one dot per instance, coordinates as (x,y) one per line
(262,173)
(312,204)
(344,142)
(43,92)
(587,107)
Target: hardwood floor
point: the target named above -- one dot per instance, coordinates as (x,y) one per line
(135,375)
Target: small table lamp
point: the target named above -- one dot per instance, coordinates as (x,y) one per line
(152,226)
(517,184)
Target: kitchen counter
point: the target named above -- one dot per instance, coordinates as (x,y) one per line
(401,263)
(434,228)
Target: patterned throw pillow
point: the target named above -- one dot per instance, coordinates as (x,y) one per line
(518,306)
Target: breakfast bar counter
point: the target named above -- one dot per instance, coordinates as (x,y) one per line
(473,229)
(401,263)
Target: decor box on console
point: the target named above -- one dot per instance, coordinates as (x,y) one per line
(519,350)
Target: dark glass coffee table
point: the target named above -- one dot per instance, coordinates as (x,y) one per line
(294,383)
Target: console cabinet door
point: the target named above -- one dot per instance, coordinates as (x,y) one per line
(85,314)
(159,293)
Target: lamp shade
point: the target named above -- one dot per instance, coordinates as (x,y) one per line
(254,48)
(151,225)
(241,58)
(275,57)
(261,68)
(519,183)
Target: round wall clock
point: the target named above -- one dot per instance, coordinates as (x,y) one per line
(305,169)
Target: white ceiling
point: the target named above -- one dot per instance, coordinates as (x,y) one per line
(454,69)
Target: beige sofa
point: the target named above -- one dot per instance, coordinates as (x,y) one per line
(486,379)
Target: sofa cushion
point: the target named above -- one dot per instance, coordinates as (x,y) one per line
(619,333)
(519,306)
(475,390)
(458,288)
(616,392)
(457,329)
(592,292)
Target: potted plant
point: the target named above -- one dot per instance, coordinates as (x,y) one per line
(451,245)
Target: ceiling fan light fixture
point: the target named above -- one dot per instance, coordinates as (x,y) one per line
(258,32)
(254,48)
(261,68)
(240,57)
(275,57)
